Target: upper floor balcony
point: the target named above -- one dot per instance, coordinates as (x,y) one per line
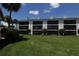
(52,22)
(37,28)
(37,24)
(70,27)
(69,21)
(24,23)
(23,27)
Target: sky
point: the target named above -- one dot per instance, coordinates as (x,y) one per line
(45,10)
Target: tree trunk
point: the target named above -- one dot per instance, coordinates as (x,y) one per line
(1,14)
(10,17)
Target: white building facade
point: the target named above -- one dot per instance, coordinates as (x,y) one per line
(70,25)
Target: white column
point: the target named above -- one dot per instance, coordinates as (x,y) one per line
(45,24)
(17,26)
(77,26)
(61,24)
(31,27)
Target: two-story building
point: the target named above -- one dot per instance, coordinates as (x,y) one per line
(70,25)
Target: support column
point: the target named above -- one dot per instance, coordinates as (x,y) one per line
(31,27)
(17,26)
(44,24)
(61,24)
(77,27)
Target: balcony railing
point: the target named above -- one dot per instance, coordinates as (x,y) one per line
(52,24)
(37,29)
(23,25)
(70,30)
(22,29)
(69,24)
(37,24)
(52,29)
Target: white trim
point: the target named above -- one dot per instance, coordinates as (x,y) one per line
(61,25)
(77,26)
(44,24)
(31,27)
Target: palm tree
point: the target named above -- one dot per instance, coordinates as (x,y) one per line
(11,7)
(7,19)
(1,14)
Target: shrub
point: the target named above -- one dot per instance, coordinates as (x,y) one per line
(61,31)
(10,34)
(44,31)
(3,31)
(28,31)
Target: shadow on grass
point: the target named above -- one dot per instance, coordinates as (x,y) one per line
(5,42)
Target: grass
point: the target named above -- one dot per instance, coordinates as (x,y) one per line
(39,45)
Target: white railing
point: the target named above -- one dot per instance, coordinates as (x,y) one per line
(37,29)
(22,29)
(52,24)
(69,24)
(37,24)
(52,29)
(23,25)
(70,30)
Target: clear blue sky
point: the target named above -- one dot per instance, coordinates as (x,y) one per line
(46,10)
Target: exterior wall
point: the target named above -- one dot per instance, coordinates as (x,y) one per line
(77,26)
(31,26)
(61,25)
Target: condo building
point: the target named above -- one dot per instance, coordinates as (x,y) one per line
(70,26)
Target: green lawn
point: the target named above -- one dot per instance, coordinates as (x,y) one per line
(44,45)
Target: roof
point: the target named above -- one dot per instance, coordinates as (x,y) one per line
(48,19)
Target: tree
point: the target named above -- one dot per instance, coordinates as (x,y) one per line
(7,19)
(44,31)
(15,21)
(61,31)
(1,14)
(11,7)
